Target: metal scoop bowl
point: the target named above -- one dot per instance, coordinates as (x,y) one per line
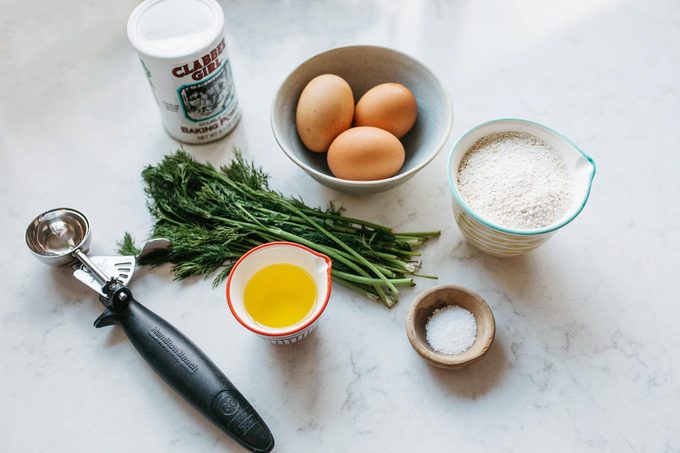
(54,236)
(60,237)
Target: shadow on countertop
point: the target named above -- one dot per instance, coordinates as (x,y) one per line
(69,290)
(296,362)
(478,378)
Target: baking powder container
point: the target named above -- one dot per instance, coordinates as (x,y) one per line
(181,46)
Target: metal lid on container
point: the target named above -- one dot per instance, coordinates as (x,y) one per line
(170,29)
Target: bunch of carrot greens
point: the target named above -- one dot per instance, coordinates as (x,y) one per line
(213,216)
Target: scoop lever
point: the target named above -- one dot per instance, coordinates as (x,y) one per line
(120,268)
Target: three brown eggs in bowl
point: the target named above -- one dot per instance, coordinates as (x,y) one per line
(370,150)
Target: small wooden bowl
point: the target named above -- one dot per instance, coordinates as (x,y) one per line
(441,296)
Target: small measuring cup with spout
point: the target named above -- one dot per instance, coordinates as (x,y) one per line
(61,237)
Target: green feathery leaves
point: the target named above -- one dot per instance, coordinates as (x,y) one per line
(213,216)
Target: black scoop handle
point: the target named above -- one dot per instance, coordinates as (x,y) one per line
(192,374)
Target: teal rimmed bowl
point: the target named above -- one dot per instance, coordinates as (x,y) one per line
(501,241)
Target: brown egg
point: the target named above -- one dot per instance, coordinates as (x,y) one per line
(365,154)
(324,110)
(389,106)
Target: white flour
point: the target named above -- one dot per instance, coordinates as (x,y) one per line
(515,180)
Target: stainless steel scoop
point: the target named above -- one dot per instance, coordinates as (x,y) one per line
(62,236)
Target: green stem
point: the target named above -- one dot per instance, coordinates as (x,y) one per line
(419,234)
(343,218)
(372,281)
(360,289)
(363,260)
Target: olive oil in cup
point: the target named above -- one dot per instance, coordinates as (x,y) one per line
(279,295)
(279,290)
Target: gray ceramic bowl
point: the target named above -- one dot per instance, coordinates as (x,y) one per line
(364,67)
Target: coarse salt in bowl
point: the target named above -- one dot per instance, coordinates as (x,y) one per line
(499,240)
(446,296)
(316,264)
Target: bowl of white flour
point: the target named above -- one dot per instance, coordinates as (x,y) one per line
(515,183)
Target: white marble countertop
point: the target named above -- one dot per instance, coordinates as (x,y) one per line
(586,353)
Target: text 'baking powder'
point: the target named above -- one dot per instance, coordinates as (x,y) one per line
(181,46)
